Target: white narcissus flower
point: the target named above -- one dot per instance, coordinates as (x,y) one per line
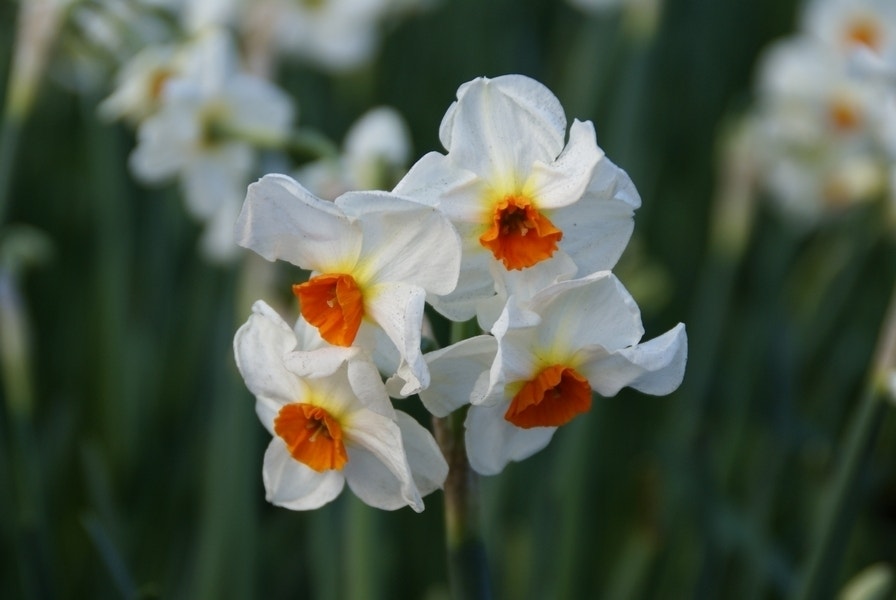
(332,423)
(576,337)
(374,257)
(336,35)
(375,155)
(200,131)
(520,193)
(140,83)
(863,27)
(821,129)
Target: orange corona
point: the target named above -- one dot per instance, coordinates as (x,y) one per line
(519,235)
(334,304)
(553,398)
(312,435)
(865,30)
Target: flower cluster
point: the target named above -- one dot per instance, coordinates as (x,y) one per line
(825,126)
(192,77)
(518,225)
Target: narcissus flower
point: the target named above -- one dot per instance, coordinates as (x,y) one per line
(821,130)
(375,155)
(520,193)
(576,337)
(332,423)
(202,134)
(374,257)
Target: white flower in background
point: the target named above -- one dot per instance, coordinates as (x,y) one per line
(141,82)
(861,29)
(335,35)
(198,15)
(821,129)
(575,337)
(203,134)
(374,258)
(530,205)
(332,423)
(376,151)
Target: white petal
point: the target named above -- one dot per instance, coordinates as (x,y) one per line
(321,362)
(216,179)
(492,441)
(217,241)
(435,180)
(655,367)
(563,181)
(501,127)
(522,285)
(259,347)
(475,282)
(404,241)
(293,485)
(398,309)
(428,466)
(342,380)
(514,361)
(597,229)
(458,373)
(593,310)
(164,145)
(368,386)
(258,106)
(282,220)
(377,470)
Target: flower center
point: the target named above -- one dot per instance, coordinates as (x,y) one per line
(519,235)
(865,30)
(556,395)
(157,82)
(312,435)
(844,115)
(334,304)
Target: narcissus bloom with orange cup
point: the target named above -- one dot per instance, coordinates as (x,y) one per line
(374,257)
(573,338)
(520,194)
(331,420)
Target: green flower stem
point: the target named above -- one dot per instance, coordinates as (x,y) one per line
(467,566)
(840,506)
(302,144)
(9,141)
(38,21)
(15,368)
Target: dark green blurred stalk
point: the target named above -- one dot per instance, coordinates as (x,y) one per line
(38,22)
(36,26)
(363,551)
(841,501)
(467,564)
(227,530)
(18,389)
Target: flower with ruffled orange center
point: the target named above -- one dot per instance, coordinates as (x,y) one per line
(313,436)
(572,339)
(332,421)
(866,31)
(844,114)
(333,303)
(553,398)
(519,235)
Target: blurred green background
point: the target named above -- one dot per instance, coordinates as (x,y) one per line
(137,470)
